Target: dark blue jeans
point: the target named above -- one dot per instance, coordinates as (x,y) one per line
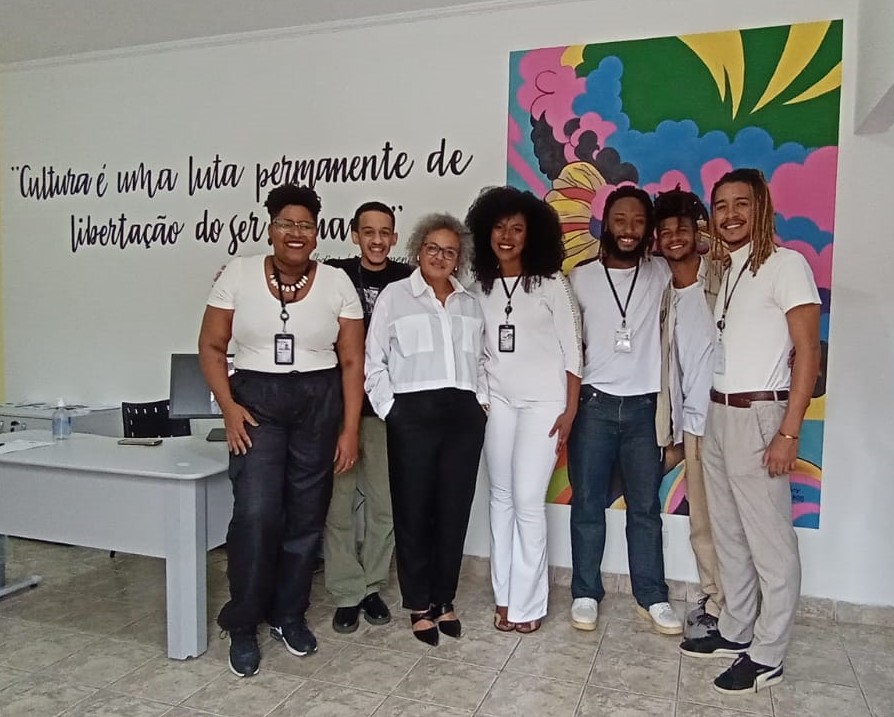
(612,431)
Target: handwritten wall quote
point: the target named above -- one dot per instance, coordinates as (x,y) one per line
(48,182)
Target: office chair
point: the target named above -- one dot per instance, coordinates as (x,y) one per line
(151,420)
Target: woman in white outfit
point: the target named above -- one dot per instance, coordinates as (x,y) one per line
(533,364)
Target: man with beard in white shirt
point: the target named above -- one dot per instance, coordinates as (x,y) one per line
(619,295)
(768,304)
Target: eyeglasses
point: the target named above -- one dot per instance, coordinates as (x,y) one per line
(287,225)
(432,250)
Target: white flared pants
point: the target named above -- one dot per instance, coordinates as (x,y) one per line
(520,458)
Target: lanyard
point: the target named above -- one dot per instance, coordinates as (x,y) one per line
(509,292)
(622,309)
(284,314)
(728,294)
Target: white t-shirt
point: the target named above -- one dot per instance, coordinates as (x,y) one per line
(547,339)
(242,289)
(694,353)
(416,343)
(614,372)
(756,339)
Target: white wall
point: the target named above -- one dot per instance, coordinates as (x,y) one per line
(99,324)
(875,63)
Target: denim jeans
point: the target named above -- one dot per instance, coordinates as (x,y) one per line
(609,431)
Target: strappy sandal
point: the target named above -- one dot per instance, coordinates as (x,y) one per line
(501,619)
(526,628)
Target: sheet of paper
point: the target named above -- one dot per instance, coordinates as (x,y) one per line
(21,445)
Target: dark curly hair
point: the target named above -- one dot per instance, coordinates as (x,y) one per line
(543,252)
(678,203)
(291,194)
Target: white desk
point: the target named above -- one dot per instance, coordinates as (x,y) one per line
(39,416)
(171,501)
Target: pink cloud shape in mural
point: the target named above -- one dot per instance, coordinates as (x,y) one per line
(711,172)
(820,262)
(590,121)
(808,190)
(669,180)
(549,87)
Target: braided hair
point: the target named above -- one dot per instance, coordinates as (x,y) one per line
(763,241)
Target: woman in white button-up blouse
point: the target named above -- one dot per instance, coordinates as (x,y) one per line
(425,377)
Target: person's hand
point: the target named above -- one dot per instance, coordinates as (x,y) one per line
(673,456)
(347,451)
(780,456)
(235,417)
(562,427)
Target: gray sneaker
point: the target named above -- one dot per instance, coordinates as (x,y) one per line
(692,617)
(699,624)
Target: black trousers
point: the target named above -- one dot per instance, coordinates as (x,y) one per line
(281,492)
(434,446)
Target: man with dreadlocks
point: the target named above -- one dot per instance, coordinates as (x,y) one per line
(768,304)
(619,295)
(687,345)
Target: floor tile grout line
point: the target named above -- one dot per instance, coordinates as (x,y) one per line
(302,683)
(860,684)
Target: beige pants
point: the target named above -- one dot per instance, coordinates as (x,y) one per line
(751,520)
(700,525)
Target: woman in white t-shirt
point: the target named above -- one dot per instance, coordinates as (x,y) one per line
(533,364)
(291,416)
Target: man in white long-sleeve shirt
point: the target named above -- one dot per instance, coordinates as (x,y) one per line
(689,322)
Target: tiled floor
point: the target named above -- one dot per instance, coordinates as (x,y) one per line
(90,641)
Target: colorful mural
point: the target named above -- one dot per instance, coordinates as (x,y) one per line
(684,110)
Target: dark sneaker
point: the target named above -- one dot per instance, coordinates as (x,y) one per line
(245,655)
(375,610)
(712,645)
(346,619)
(746,676)
(297,638)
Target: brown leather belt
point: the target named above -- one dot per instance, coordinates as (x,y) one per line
(744,400)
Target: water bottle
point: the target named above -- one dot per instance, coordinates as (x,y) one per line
(61,421)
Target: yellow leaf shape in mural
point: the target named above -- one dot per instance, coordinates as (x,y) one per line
(832,81)
(571,196)
(724,55)
(573,55)
(802,44)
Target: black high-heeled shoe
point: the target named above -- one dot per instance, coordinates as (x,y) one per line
(451,628)
(430,634)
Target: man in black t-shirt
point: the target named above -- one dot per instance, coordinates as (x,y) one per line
(354,581)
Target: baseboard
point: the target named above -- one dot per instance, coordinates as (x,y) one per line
(810,608)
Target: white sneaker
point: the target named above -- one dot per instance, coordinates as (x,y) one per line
(663,618)
(584,613)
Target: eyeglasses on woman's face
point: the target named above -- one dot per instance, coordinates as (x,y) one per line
(287,226)
(432,250)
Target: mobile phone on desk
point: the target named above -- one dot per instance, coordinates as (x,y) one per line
(139,441)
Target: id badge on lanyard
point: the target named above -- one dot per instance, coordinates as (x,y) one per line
(506,342)
(284,349)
